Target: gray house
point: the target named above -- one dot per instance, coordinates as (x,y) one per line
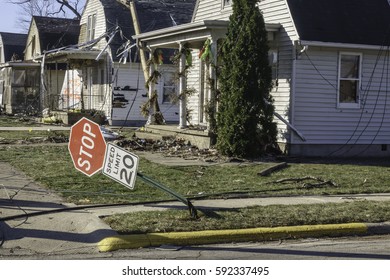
(330,62)
(21,79)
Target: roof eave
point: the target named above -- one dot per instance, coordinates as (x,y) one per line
(188,32)
(64,55)
(339,45)
(19,64)
(182,29)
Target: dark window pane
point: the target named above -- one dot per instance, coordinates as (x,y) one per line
(348,91)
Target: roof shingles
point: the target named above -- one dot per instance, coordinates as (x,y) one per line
(364,22)
(57,32)
(152,15)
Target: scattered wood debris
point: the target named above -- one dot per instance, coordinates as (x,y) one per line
(171,147)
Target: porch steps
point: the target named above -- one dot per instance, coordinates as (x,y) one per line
(198,138)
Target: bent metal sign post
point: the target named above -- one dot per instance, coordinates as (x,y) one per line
(90,154)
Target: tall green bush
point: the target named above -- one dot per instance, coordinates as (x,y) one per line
(245,126)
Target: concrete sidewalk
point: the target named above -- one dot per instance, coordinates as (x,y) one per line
(63,232)
(81,231)
(35,128)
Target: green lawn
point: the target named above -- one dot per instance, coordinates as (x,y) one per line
(52,167)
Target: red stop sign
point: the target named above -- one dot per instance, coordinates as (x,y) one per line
(87,146)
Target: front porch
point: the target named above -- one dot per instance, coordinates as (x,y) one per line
(196,136)
(197,45)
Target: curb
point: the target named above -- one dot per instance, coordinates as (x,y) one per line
(135,241)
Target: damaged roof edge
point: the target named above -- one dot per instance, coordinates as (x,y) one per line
(183,28)
(193,27)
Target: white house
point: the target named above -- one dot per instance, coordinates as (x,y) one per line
(330,62)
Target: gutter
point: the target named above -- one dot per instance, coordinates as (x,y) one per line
(339,45)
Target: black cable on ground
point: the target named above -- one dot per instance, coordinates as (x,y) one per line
(66,209)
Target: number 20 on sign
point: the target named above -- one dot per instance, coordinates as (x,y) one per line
(120,165)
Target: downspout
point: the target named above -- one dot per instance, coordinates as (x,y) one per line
(292,90)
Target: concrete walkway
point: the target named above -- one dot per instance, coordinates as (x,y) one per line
(35,128)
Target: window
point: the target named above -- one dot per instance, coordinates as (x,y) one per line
(19,78)
(273,59)
(226,3)
(349,80)
(33,46)
(91,25)
(169,88)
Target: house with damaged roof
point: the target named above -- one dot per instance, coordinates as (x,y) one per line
(108,65)
(12,46)
(25,79)
(330,63)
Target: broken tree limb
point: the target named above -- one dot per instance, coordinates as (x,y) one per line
(320,181)
(269,170)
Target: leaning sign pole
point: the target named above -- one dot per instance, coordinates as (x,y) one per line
(90,154)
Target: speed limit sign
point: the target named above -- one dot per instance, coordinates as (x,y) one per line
(120,165)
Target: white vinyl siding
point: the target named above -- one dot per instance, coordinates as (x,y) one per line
(276,11)
(129,95)
(212,9)
(317,115)
(129,92)
(93,7)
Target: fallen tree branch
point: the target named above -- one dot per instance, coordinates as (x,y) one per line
(272,169)
(306,185)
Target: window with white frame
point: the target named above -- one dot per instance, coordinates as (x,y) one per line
(91,26)
(168,87)
(349,79)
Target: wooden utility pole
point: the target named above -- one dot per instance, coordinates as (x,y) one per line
(137,31)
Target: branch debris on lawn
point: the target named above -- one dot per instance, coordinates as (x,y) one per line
(171,147)
(309,185)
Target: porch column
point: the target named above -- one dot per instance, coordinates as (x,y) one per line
(211,123)
(182,88)
(151,90)
(42,91)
